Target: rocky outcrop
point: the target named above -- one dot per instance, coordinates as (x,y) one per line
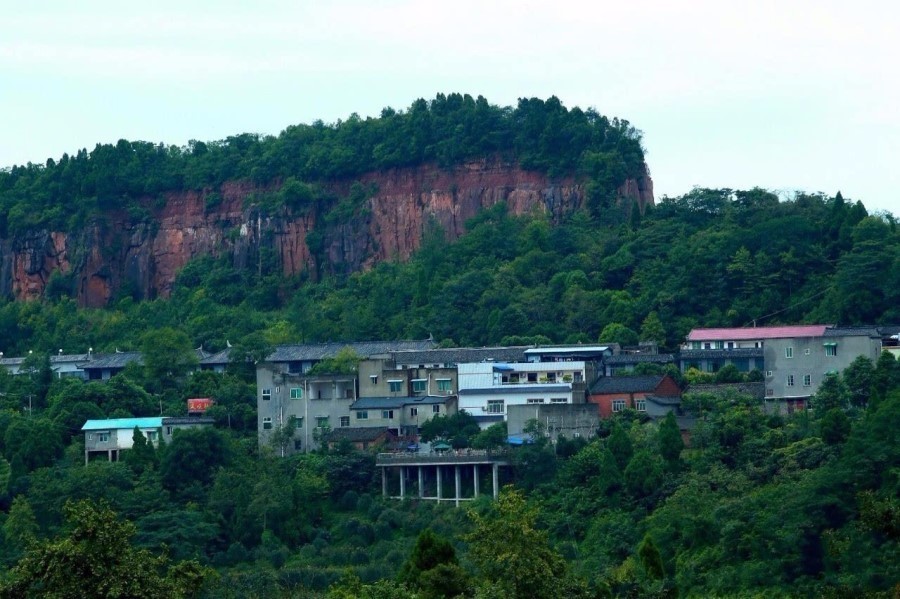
(117,256)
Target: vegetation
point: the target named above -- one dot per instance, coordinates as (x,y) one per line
(803,505)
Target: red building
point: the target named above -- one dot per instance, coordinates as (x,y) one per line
(616,393)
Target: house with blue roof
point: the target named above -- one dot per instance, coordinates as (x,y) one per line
(112,435)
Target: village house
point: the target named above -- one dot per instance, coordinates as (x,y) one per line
(614,394)
(111,436)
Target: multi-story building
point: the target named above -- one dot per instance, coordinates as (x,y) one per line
(709,350)
(401,415)
(796,366)
(313,404)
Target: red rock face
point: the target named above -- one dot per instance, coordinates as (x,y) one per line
(143,259)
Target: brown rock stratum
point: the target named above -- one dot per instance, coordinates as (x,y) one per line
(110,254)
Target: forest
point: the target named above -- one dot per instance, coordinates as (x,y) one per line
(756,505)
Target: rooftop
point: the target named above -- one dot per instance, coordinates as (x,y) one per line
(383,403)
(699,354)
(116,360)
(457,355)
(752,333)
(514,389)
(639,359)
(626,384)
(123,423)
(320,351)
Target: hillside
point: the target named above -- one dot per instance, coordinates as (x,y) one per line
(318,199)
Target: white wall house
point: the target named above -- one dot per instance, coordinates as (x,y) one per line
(487,389)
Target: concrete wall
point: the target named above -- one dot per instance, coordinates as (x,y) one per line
(572,420)
(809,359)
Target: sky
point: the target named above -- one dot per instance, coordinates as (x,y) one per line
(784,95)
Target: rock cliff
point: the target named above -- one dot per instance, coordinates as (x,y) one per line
(117,255)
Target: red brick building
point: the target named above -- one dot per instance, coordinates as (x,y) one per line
(616,393)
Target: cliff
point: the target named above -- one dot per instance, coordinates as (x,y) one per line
(143,258)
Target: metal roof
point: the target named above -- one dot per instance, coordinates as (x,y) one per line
(123,423)
(321,351)
(749,334)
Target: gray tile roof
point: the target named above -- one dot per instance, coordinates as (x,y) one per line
(221,357)
(639,359)
(708,354)
(173,420)
(116,360)
(460,355)
(852,332)
(384,403)
(321,351)
(626,384)
(54,359)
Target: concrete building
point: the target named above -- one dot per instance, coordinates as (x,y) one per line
(316,404)
(401,415)
(557,420)
(487,389)
(708,350)
(113,435)
(614,394)
(796,366)
(63,365)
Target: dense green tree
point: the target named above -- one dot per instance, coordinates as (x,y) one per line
(20,529)
(142,454)
(858,377)
(834,426)
(832,393)
(620,445)
(670,441)
(167,354)
(512,555)
(96,559)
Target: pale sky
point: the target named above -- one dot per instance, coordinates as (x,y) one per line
(784,95)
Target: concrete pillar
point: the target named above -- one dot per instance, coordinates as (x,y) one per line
(109,454)
(421,485)
(85,457)
(383,481)
(496,477)
(438,482)
(456,468)
(475,478)
(402,482)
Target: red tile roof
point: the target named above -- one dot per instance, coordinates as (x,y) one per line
(749,334)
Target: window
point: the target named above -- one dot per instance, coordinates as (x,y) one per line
(807,380)
(169,430)
(695,345)
(151,436)
(770,392)
(322,421)
(532,377)
(414,411)
(267,423)
(373,378)
(267,394)
(90,436)
(731,345)
(298,421)
(362,415)
(618,405)
(444,385)
(720,345)
(707,346)
(387,414)
(640,405)
(296,392)
(806,351)
(790,380)
(533,401)
(395,386)
(345,421)
(831,349)
(768,373)
(419,385)
(102,437)
(298,444)
(495,406)
(789,352)
(436,409)
(579,377)
(558,400)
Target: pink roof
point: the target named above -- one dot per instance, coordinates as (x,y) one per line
(749,334)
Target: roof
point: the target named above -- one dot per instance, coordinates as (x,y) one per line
(383,403)
(321,351)
(460,355)
(518,389)
(664,400)
(122,423)
(174,420)
(852,332)
(116,360)
(639,359)
(221,357)
(568,350)
(54,359)
(358,434)
(751,333)
(626,384)
(701,354)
